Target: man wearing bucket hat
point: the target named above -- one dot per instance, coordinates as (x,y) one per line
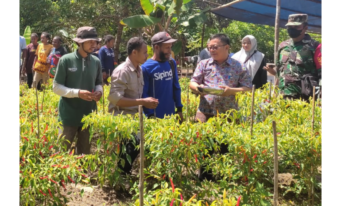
(161,78)
(295,66)
(78,81)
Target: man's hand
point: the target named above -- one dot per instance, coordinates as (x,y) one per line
(227,91)
(96,95)
(150,102)
(198,92)
(271,70)
(85,95)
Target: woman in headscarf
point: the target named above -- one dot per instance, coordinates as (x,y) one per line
(252,60)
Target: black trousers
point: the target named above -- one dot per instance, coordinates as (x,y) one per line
(29,80)
(132,151)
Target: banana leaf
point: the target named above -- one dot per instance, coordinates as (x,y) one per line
(139,21)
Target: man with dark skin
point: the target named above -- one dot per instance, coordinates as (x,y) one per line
(30,55)
(106,55)
(78,81)
(161,79)
(57,52)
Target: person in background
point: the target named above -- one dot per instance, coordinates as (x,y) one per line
(98,46)
(318,62)
(30,55)
(252,60)
(57,52)
(219,72)
(22,54)
(78,82)
(126,92)
(106,55)
(295,62)
(161,78)
(40,63)
(204,54)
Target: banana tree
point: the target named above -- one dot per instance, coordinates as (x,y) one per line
(166,15)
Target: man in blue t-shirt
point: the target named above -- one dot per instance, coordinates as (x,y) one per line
(160,80)
(106,55)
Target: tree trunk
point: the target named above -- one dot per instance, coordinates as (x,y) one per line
(119,34)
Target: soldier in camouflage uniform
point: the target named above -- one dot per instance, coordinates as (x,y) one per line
(296,58)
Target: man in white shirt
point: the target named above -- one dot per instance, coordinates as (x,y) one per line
(22,53)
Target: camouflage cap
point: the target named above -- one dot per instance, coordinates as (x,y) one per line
(297,19)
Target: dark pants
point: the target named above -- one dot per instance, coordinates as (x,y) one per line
(83,136)
(132,151)
(30,80)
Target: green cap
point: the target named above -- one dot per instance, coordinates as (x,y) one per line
(297,19)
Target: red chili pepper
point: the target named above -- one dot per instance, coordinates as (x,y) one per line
(50,147)
(264,151)
(64,167)
(265,162)
(171,134)
(171,204)
(80,157)
(50,193)
(42,192)
(25,138)
(41,154)
(278,133)
(54,166)
(197,134)
(23,159)
(20,171)
(70,179)
(54,153)
(251,170)
(46,128)
(172,184)
(256,161)
(238,201)
(31,127)
(53,181)
(182,199)
(34,147)
(164,176)
(196,158)
(203,157)
(62,182)
(71,152)
(43,177)
(254,156)
(84,175)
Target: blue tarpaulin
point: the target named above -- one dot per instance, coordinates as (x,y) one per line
(264,12)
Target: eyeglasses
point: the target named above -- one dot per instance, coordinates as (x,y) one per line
(214,47)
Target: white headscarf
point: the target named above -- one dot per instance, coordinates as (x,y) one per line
(252,65)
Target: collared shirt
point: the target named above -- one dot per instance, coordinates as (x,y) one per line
(76,73)
(22,47)
(210,74)
(126,81)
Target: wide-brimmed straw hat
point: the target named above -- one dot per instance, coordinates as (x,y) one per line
(86,33)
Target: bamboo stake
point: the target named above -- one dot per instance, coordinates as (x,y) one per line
(141,155)
(313,119)
(253,101)
(37,111)
(312,130)
(275,164)
(278,12)
(103,100)
(270,85)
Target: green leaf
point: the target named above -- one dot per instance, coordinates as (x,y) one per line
(64,33)
(171,9)
(176,48)
(146,6)
(178,5)
(27,35)
(186,1)
(139,21)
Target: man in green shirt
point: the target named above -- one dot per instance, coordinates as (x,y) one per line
(78,81)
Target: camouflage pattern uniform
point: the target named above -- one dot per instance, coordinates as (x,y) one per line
(296,59)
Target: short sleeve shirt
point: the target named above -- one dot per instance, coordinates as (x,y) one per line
(210,74)
(22,46)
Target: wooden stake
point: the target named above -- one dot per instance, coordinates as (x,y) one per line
(275,164)
(37,111)
(277,21)
(42,102)
(141,155)
(253,101)
(270,85)
(312,131)
(313,119)
(103,101)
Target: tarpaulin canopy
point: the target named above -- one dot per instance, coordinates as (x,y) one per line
(264,12)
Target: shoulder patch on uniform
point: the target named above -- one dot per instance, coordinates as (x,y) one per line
(284,43)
